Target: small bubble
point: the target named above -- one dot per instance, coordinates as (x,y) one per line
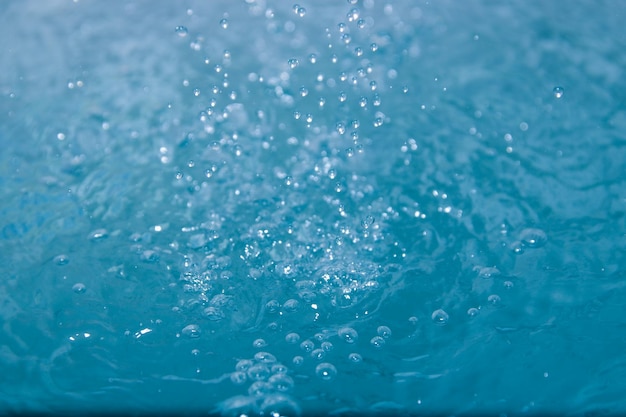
(377,341)
(440,317)
(224,23)
(326,371)
(265,357)
(61,260)
(367,222)
(318,354)
(494,300)
(181,31)
(258,372)
(98,234)
(355,358)
(79,288)
(259,343)
(281,382)
(348,334)
(192,330)
(293,63)
(384,332)
(508,284)
(533,238)
(472,312)
(243,365)
(291,305)
(327,346)
(558,92)
(307,346)
(297,360)
(238,377)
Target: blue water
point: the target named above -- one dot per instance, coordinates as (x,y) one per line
(249,207)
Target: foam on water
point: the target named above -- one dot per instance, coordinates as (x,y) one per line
(254,207)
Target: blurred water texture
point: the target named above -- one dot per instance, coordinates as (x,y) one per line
(332,206)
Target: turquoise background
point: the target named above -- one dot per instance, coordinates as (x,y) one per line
(330,206)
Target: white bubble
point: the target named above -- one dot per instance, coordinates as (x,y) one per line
(377,341)
(440,317)
(181,31)
(533,238)
(384,332)
(558,92)
(191,330)
(79,288)
(355,358)
(348,334)
(326,371)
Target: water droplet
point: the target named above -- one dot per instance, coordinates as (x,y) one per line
(384,332)
(224,23)
(348,334)
(440,317)
(326,371)
(192,330)
(377,341)
(533,238)
(61,260)
(79,288)
(181,31)
(558,92)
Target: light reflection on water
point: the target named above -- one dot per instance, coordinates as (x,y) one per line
(251,207)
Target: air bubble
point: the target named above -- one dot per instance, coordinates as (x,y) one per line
(259,343)
(307,346)
(98,234)
(384,332)
(238,377)
(258,372)
(558,92)
(79,288)
(293,63)
(318,354)
(348,334)
(533,238)
(494,300)
(472,311)
(355,358)
(326,371)
(292,338)
(264,357)
(181,31)
(440,317)
(291,305)
(297,360)
(192,330)
(224,23)
(243,365)
(281,382)
(61,260)
(377,341)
